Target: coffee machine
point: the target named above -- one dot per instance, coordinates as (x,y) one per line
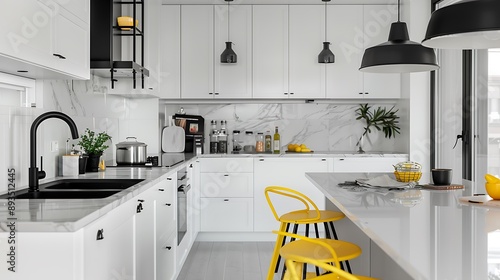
(194,128)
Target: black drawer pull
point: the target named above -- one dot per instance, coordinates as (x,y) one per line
(169,179)
(168,204)
(100,235)
(139,208)
(59,56)
(140,200)
(168,248)
(161,190)
(226,199)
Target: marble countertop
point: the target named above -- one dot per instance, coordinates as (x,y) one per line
(429,233)
(60,215)
(313,154)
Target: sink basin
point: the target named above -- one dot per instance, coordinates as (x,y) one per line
(91,184)
(66,194)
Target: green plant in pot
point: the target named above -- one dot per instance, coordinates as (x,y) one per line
(381,119)
(93,145)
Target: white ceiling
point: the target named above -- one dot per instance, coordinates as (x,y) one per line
(319,2)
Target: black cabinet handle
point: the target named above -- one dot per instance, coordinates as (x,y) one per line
(100,235)
(360,93)
(169,179)
(161,190)
(226,175)
(139,208)
(210,93)
(59,56)
(226,199)
(367,93)
(286,93)
(216,93)
(261,159)
(323,159)
(191,165)
(342,159)
(168,204)
(168,248)
(291,93)
(140,200)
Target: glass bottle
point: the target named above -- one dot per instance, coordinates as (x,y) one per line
(222,138)
(214,144)
(268,142)
(236,141)
(259,142)
(276,139)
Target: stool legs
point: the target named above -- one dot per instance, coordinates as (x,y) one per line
(276,253)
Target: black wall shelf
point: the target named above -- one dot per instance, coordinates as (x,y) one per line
(103,29)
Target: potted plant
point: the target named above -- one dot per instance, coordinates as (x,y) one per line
(380,119)
(93,145)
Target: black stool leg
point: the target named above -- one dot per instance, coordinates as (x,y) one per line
(334,232)
(327,232)
(282,244)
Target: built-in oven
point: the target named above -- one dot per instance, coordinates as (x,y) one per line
(182,190)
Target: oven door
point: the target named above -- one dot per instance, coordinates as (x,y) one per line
(182,192)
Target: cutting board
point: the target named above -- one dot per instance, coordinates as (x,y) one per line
(480,201)
(173,139)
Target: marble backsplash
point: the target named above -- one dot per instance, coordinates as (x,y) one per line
(322,127)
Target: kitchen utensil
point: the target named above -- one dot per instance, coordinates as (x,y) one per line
(131,152)
(173,138)
(126,21)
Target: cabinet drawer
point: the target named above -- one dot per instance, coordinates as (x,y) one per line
(366,164)
(165,208)
(165,258)
(226,185)
(227,214)
(226,165)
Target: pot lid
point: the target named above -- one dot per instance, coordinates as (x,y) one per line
(131,142)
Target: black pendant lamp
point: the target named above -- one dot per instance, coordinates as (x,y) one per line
(326,55)
(399,54)
(228,55)
(469,24)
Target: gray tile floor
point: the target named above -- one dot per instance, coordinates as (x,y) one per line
(227,261)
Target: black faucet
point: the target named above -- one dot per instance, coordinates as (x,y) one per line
(34,174)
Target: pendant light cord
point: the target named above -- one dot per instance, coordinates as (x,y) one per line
(228,21)
(399,9)
(326,20)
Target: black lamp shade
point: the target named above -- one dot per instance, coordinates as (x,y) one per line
(326,55)
(228,55)
(399,54)
(470,24)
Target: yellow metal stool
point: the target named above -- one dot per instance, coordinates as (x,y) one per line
(305,216)
(318,252)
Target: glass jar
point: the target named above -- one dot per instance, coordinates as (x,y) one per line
(249,146)
(237,142)
(259,142)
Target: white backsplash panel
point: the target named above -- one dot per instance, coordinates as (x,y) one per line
(322,127)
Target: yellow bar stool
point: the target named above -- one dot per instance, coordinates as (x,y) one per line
(318,252)
(304,216)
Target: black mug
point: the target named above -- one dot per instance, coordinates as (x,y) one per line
(441,176)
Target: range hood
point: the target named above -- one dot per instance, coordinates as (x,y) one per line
(107,41)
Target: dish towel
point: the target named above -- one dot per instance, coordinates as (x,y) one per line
(383,181)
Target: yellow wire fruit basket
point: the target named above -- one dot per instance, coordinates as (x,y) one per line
(407,176)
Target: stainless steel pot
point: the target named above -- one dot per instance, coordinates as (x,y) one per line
(131,152)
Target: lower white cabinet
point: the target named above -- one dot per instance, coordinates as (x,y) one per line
(227,214)
(366,164)
(165,258)
(285,172)
(145,235)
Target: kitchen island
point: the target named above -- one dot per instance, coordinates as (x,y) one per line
(426,234)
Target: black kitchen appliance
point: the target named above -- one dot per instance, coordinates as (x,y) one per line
(194,128)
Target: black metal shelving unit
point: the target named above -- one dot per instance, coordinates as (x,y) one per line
(102,32)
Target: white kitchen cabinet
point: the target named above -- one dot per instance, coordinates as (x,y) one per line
(227,214)
(109,245)
(170,46)
(352,29)
(165,258)
(45,39)
(227,184)
(145,235)
(166,207)
(285,172)
(194,196)
(306,36)
(270,51)
(233,80)
(365,164)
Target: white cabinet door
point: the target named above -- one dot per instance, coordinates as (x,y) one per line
(227,184)
(194,177)
(165,258)
(79,8)
(109,245)
(286,172)
(366,164)
(166,207)
(345,32)
(145,234)
(227,214)
(306,37)
(233,80)
(197,51)
(170,46)
(270,51)
(377,23)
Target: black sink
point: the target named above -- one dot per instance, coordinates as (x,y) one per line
(91,184)
(66,194)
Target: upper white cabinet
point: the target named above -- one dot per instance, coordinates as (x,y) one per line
(170,59)
(46,39)
(270,48)
(306,36)
(352,29)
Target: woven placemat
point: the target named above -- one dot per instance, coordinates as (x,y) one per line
(450,187)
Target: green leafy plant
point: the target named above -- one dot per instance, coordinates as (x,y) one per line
(92,143)
(380,119)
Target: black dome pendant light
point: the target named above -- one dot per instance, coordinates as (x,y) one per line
(470,24)
(228,55)
(326,55)
(399,54)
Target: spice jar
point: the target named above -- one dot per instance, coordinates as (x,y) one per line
(237,142)
(267,142)
(259,143)
(249,142)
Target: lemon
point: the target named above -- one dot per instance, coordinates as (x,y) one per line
(306,150)
(303,146)
(491,179)
(291,147)
(298,149)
